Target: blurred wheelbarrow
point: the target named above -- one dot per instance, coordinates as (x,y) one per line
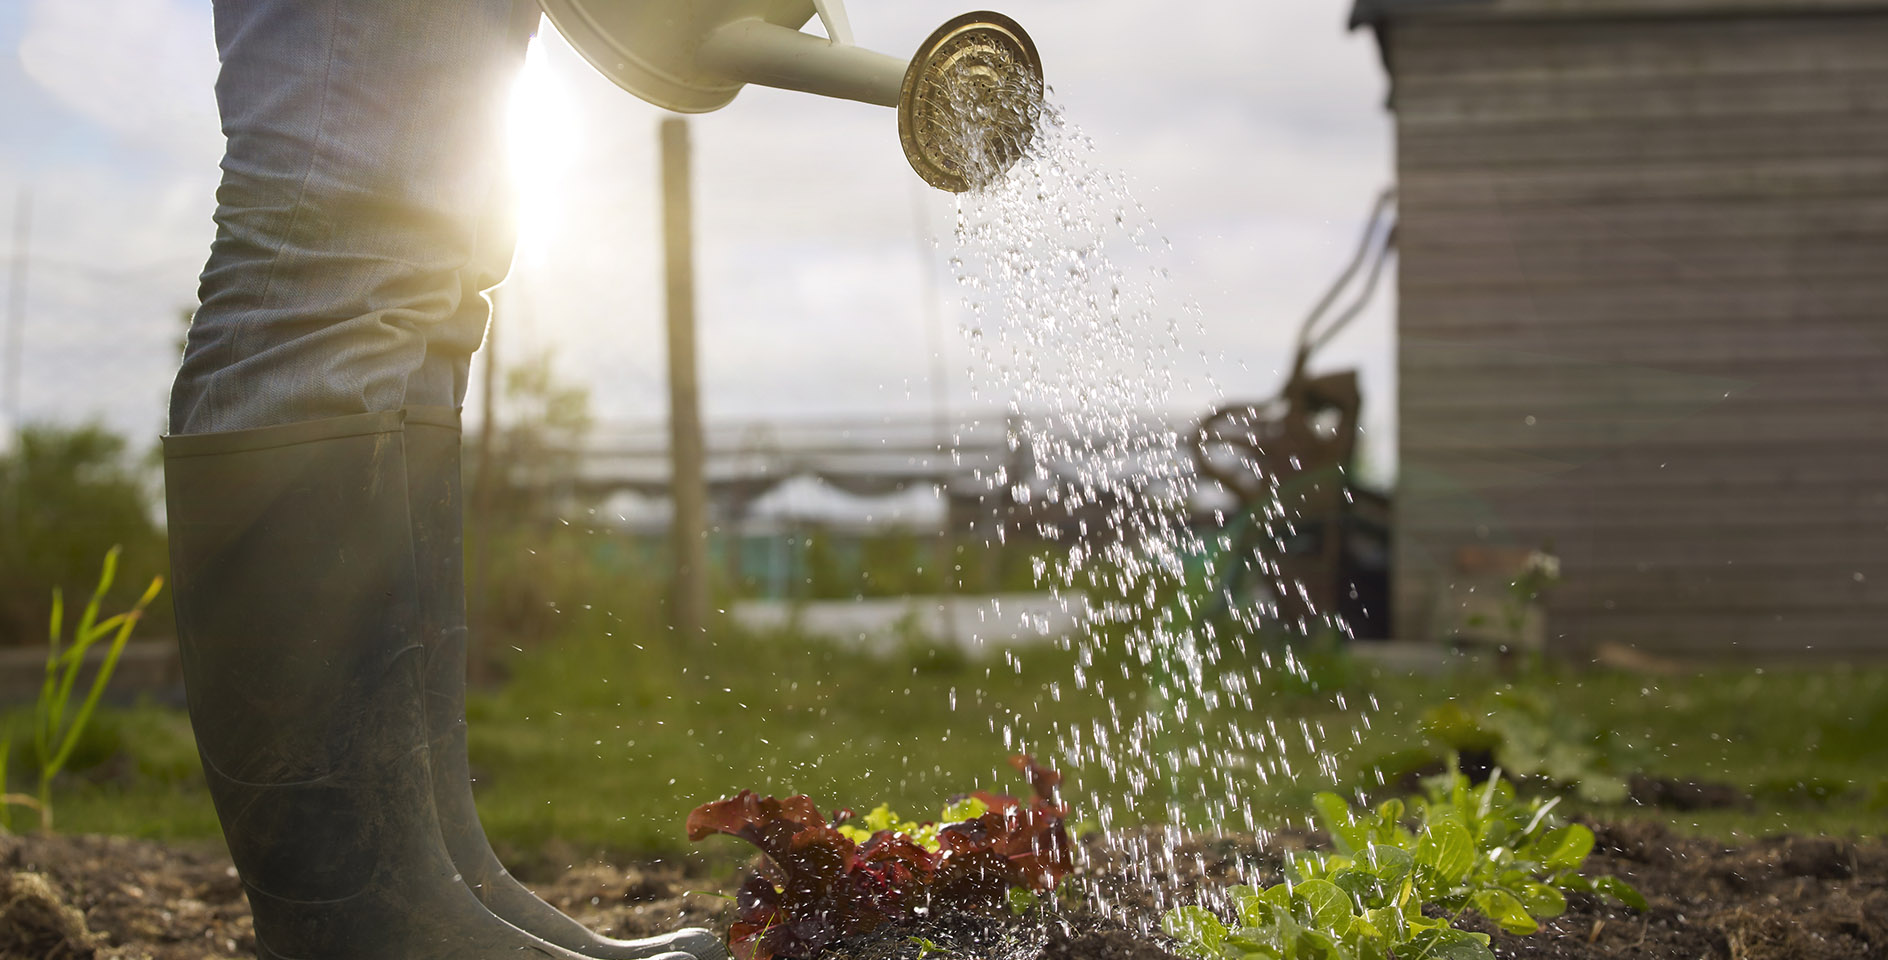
(1306,548)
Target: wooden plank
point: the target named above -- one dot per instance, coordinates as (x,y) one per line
(1828,368)
(1559,396)
(1587,9)
(1821,353)
(1852,306)
(1685,507)
(1685,348)
(1725,588)
(1428,102)
(1629,553)
(1562,389)
(1436,477)
(1518,147)
(1588,552)
(1524,51)
(1631,265)
(1834,426)
(1430,191)
(1429,472)
(1481,399)
(1769,219)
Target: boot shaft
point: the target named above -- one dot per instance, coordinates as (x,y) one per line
(299,625)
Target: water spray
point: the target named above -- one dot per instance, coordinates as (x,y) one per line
(967,102)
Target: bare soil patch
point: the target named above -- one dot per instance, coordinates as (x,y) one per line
(112,898)
(1782,898)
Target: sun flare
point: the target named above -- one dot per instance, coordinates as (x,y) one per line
(543,133)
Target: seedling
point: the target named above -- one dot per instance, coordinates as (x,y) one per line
(830,880)
(55,734)
(1476,848)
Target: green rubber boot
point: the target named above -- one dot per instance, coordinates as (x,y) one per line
(433,485)
(299,623)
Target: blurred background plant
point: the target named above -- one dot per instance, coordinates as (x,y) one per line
(68,494)
(1518,729)
(57,727)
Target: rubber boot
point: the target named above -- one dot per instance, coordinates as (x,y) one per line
(299,625)
(433,485)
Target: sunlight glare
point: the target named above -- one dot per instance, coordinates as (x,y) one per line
(543,133)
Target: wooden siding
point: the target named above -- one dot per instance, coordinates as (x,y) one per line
(1379,11)
(1644,317)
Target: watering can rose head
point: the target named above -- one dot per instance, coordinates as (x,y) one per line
(968,103)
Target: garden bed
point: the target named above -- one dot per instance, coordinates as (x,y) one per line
(1800,898)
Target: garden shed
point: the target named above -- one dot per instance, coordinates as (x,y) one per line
(1643,318)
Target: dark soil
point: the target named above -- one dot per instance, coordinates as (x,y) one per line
(1686,795)
(1784,898)
(111,898)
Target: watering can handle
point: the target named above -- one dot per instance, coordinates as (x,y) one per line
(832,13)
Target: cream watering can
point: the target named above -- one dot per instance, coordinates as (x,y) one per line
(967,103)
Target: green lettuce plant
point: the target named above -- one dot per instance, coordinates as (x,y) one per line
(1473,849)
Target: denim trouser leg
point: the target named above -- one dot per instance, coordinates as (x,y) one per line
(362,209)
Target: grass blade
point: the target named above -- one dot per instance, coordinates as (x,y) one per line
(42,723)
(126,621)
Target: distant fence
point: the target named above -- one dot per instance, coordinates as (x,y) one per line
(148,669)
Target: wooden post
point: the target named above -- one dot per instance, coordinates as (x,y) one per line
(945,558)
(688,489)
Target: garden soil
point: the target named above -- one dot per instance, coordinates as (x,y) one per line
(1784,898)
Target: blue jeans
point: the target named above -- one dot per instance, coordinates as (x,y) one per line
(363,209)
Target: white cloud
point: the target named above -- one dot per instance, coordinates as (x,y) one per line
(143,69)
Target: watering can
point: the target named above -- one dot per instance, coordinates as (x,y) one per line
(967,103)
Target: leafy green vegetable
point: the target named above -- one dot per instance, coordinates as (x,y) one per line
(883,819)
(826,881)
(1473,848)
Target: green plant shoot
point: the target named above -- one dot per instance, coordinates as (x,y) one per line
(56,726)
(1476,848)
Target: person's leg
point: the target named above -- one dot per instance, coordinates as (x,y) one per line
(362,142)
(299,625)
(353,219)
(434,493)
(435,392)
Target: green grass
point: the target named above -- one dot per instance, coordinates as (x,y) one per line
(604,739)
(1777,734)
(610,742)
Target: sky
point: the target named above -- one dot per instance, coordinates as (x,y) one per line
(1254,133)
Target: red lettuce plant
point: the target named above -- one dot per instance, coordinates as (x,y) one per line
(821,886)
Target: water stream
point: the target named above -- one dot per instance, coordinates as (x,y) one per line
(1075,327)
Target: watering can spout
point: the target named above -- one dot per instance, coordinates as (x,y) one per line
(755,51)
(967,103)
